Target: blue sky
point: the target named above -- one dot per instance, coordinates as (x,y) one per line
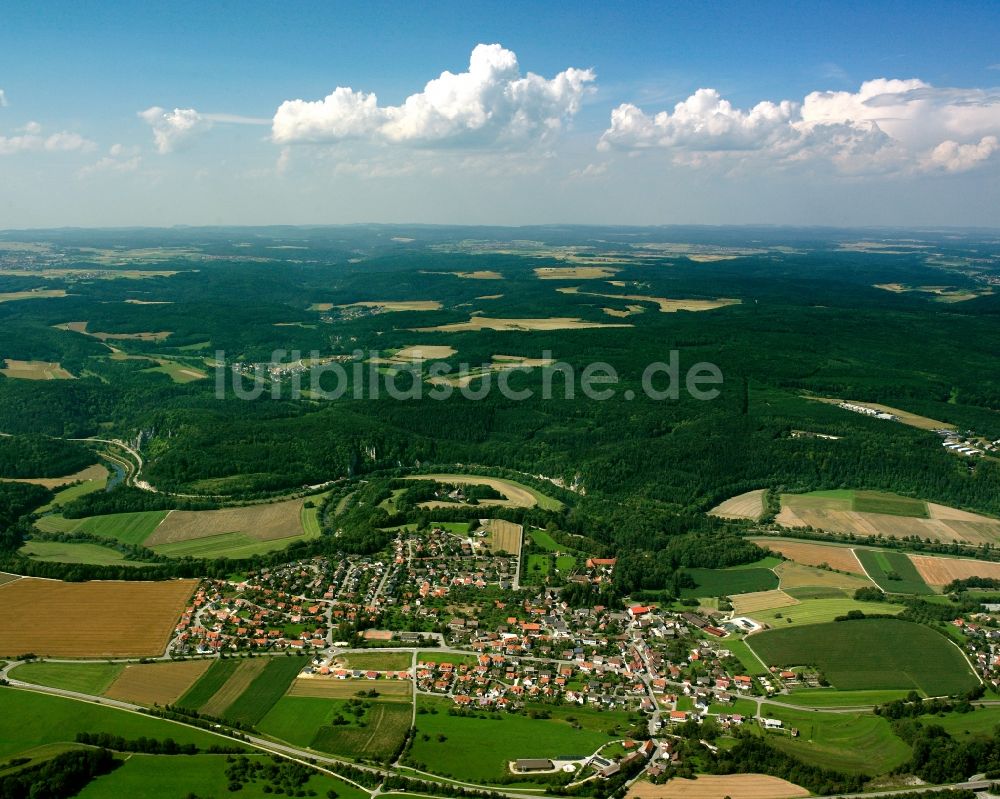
(881,113)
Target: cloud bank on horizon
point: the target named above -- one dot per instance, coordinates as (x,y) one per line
(887,125)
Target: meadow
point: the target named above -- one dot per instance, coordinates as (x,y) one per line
(479,749)
(851,742)
(265,690)
(75,552)
(893,572)
(208,684)
(29,719)
(385,725)
(726,582)
(156,776)
(84,678)
(871,654)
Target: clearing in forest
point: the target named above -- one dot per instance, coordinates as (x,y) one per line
(521,325)
(34,370)
(744,506)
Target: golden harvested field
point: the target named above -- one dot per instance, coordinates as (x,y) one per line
(809,554)
(36,294)
(389,306)
(745,506)
(522,325)
(94,619)
(156,683)
(795,575)
(35,370)
(761,600)
(332,688)
(81,327)
(95,472)
(425,352)
(246,672)
(575,272)
(479,274)
(489,297)
(630,310)
(516,496)
(506,536)
(970,529)
(736,786)
(261,522)
(665,305)
(941,571)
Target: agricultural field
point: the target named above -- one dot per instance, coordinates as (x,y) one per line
(818,610)
(375,661)
(727,582)
(268,686)
(328,688)
(938,572)
(504,536)
(808,553)
(387,306)
(518,495)
(72,492)
(745,506)
(34,294)
(866,513)
(129,528)
(268,522)
(93,472)
(70,552)
(29,719)
(664,304)
(34,370)
(246,672)
(795,575)
(830,697)
(575,272)
(377,734)
(871,654)
(850,742)
(744,604)
(208,684)
(8,578)
(477,323)
(893,572)
(711,786)
(84,678)
(479,750)
(156,776)
(905,417)
(156,683)
(92,619)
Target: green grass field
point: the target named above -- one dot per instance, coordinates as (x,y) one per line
(851,742)
(742,652)
(85,678)
(479,750)
(224,545)
(156,776)
(386,725)
(297,719)
(29,719)
(871,654)
(458,528)
(544,541)
(69,552)
(67,495)
(726,582)
(893,572)
(565,563)
(378,661)
(207,685)
(266,689)
(825,697)
(892,504)
(818,611)
(130,528)
(982,722)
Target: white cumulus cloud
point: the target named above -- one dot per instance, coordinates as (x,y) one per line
(119,159)
(173,128)
(490,104)
(31,138)
(954,157)
(887,124)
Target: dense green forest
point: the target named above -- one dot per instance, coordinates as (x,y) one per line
(811,322)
